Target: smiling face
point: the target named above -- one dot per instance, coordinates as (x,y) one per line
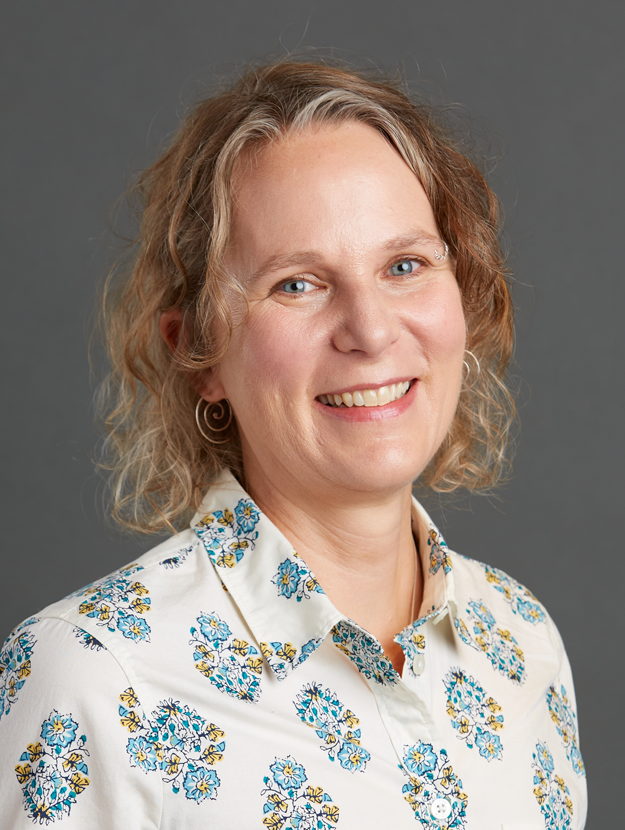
(344,376)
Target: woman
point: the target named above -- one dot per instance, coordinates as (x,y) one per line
(318,316)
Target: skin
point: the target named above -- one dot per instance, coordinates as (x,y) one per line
(340,208)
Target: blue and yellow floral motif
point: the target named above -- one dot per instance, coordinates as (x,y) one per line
(365,652)
(473,714)
(177,741)
(550,790)
(412,643)
(439,552)
(521,600)
(118,603)
(228,536)
(88,640)
(294,578)
(431,778)
(564,719)
(497,643)
(334,724)
(53,774)
(15,665)
(175,561)
(232,665)
(284,657)
(290,803)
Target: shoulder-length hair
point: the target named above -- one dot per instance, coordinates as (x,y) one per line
(160,463)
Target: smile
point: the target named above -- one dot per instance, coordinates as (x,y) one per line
(368,397)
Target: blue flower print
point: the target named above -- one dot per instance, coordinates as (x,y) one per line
(228,536)
(550,791)
(439,552)
(284,657)
(420,758)
(142,753)
(334,725)
(496,643)
(177,741)
(118,602)
(175,561)
(564,719)
(15,665)
(247,515)
(53,774)
(521,600)
(431,778)
(296,578)
(473,713)
(289,803)
(88,640)
(59,730)
(201,784)
(365,652)
(287,774)
(232,665)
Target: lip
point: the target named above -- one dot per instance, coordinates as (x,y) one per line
(377,385)
(363,414)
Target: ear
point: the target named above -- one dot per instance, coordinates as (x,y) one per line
(206,383)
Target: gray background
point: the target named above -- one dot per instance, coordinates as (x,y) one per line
(91,91)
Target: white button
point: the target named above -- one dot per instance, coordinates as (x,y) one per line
(440,808)
(418,663)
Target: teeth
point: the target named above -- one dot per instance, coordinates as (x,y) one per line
(368,397)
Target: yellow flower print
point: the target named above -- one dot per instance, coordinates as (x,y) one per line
(79,783)
(419,641)
(23,773)
(448,776)
(560,782)
(139,589)
(204,668)
(159,751)
(352,738)
(12,687)
(266,651)
(569,805)
(519,652)
(331,812)
(171,708)
(34,751)
(140,605)
(415,786)
(131,721)
(278,802)
(492,577)
(211,755)
(451,710)
(206,521)
(173,765)
(104,612)
(128,696)
(330,738)
(273,821)
(540,795)
(492,721)
(214,733)
(86,607)
(504,634)
(226,560)
(24,670)
(72,761)
(255,664)
(287,652)
(350,719)
(463,725)
(227,518)
(315,794)
(492,705)
(240,647)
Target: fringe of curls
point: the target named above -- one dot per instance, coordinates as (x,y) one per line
(159,463)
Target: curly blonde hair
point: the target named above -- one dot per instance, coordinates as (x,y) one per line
(160,463)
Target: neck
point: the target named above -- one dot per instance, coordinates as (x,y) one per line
(361,551)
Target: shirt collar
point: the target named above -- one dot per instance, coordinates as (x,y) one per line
(283,604)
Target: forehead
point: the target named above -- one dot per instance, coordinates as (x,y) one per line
(338,186)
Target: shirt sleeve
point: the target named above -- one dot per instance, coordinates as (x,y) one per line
(65,758)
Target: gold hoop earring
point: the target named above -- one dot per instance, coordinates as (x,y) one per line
(216,416)
(468,368)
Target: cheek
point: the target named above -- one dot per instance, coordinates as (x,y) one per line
(443,329)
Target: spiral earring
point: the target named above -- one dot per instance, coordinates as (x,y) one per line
(468,368)
(216,417)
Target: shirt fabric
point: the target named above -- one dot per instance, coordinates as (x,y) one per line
(212,683)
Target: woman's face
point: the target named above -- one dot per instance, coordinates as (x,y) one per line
(335,243)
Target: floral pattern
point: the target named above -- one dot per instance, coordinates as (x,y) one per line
(439,552)
(54,773)
(227,536)
(431,780)
(564,719)
(88,640)
(177,741)
(15,665)
(175,561)
(521,600)
(412,643)
(290,803)
(118,602)
(365,652)
(550,790)
(232,665)
(497,643)
(294,578)
(284,657)
(334,724)
(473,714)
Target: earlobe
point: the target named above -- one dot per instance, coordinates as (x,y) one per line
(208,385)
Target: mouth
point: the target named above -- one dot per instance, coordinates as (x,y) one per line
(375,397)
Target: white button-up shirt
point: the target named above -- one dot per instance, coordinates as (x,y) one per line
(212,683)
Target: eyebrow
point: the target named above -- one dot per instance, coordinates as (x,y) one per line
(313,257)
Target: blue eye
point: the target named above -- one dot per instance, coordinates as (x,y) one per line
(403,267)
(295,286)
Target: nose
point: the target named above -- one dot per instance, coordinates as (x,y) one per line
(367,321)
